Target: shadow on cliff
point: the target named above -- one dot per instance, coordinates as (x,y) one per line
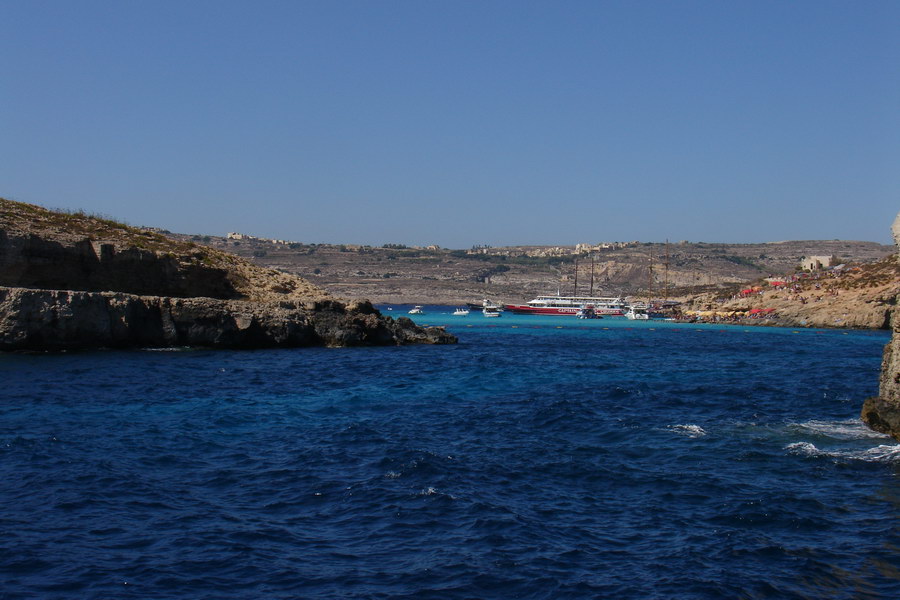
(35,262)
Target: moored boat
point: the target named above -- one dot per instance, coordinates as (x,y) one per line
(461,312)
(637,312)
(484,304)
(587,312)
(569,306)
(416,310)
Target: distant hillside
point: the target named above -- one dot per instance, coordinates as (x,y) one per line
(434,275)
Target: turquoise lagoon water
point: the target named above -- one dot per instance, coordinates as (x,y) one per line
(541,457)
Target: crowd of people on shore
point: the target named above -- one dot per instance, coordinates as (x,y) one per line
(757,317)
(798,287)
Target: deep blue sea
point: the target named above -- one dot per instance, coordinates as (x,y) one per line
(541,457)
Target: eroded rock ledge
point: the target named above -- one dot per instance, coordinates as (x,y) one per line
(33,319)
(73,281)
(882,412)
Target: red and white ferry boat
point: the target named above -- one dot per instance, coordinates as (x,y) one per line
(569,306)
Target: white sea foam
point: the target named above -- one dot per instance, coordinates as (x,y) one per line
(803,448)
(431,491)
(850,429)
(883,453)
(692,431)
(176,349)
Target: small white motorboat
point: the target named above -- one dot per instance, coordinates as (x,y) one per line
(416,310)
(637,313)
(461,312)
(491,311)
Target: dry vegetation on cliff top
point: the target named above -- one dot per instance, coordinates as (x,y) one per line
(254,282)
(20,219)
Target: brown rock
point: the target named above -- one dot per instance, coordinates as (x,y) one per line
(882,412)
(74,281)
(67,320)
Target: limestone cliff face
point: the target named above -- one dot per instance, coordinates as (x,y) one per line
(45,249)
(882,412)
(33,261)
(63,320)
(75,281)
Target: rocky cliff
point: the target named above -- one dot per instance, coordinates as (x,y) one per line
(882,412)
(861,296)
(77,281)
(60,320)
(46,249)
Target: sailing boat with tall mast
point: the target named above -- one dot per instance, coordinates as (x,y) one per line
(559,305)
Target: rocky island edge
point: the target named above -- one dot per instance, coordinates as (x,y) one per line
(882,412)
(75,281)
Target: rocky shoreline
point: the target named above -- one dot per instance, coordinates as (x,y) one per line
(73,281)
(69,320)
(882,412)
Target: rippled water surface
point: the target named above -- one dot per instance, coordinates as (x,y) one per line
(541,457)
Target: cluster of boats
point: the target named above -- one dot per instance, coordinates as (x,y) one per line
(582,307)
(488,308)
(488,311)
(570,306)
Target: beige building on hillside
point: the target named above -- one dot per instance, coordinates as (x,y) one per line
(811,263)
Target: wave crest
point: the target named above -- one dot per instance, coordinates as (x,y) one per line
(850,429)
(691,431)
(887,453)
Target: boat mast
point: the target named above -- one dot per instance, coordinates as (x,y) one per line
(592,276)
(575,293)
(667,270)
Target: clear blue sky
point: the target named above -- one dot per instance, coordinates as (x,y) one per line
(458,123)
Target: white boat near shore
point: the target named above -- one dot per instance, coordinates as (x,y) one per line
(485,304)
(637,313)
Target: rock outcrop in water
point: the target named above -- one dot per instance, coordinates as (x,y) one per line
(74,281)
(882,412)
(59,320)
